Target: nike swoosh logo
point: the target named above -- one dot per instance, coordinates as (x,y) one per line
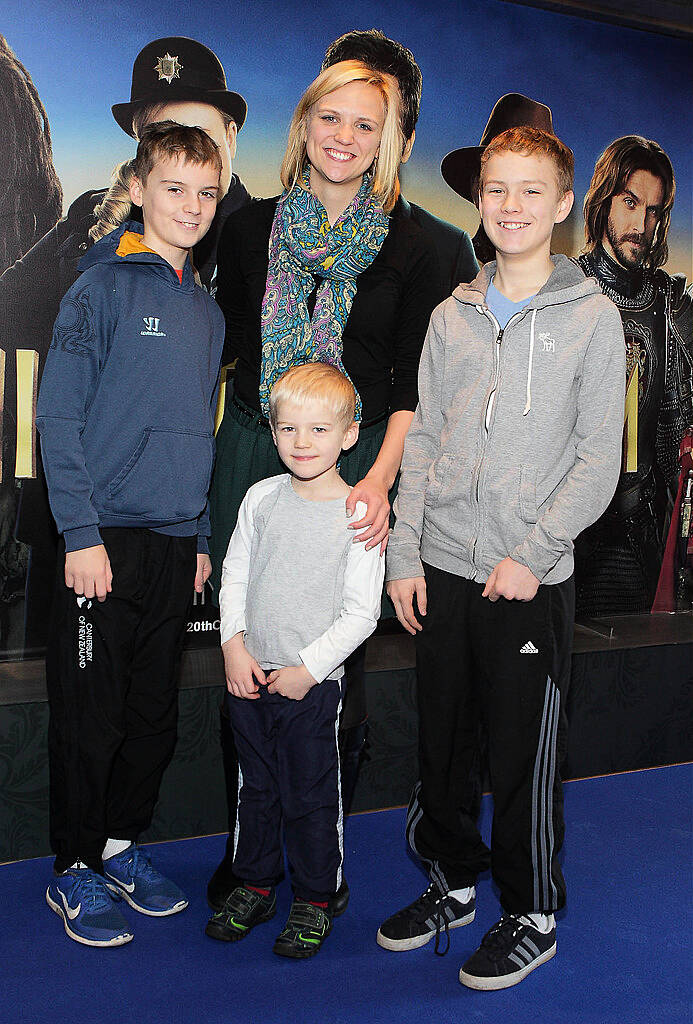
(71,913)
(128,886)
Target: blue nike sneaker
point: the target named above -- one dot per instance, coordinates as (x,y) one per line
(144,888)
(81,897)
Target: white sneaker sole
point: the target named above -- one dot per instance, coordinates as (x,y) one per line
(507,980)
(118,891)
(119,940)
(416,941)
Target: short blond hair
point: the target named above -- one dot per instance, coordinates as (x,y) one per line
(315,382)
(386,166)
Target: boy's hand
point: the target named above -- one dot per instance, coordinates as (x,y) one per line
(204,571)
(375,525)
(88,572)
(401,593)
(241,669)
(511,580)
(293,682)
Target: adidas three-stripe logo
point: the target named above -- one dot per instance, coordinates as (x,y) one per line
(529,648)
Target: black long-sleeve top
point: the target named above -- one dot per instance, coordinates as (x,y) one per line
(385,330)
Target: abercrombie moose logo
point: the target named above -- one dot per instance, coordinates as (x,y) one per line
(151,324)
(548,343)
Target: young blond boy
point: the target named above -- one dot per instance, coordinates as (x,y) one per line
(297,597)
(513,451)
(126,420)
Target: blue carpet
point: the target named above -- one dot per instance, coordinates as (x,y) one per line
(623,942)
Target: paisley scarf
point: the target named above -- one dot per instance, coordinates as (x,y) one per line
(303,246)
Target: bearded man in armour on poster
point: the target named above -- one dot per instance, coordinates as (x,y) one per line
(627,214)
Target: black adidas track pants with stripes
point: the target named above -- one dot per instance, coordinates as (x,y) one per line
(501,668)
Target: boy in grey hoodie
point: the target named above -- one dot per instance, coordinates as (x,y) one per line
(513,451)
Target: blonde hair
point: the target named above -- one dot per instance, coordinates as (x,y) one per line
(315,382)
(115,206)
(385,167)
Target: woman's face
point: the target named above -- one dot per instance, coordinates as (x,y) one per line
(343,134)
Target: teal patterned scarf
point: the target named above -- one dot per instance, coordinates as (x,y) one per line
(303,245)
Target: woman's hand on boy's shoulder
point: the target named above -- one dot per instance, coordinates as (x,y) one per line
(374,524)
(293,682)
(243,674)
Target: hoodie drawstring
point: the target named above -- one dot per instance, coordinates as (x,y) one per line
(528,403)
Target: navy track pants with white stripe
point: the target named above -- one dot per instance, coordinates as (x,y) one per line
(499,669)
(289,776)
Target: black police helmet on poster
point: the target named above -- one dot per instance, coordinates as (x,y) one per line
(175,69)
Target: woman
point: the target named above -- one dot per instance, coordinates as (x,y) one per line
(340,177)
(330,271)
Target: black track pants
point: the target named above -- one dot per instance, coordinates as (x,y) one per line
(289,776)
(353,729)
(506,664)
(112,691)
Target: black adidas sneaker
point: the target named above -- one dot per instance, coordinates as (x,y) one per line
(507,954)
(432,913)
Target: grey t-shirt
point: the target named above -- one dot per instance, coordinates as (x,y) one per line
(296,582)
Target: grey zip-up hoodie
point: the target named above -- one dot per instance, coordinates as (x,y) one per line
(515,446)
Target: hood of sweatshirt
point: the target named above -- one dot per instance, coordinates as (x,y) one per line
(566,283)
(125,245)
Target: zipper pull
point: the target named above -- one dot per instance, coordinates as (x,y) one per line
(500,336)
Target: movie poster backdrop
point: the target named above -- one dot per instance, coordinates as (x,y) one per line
(601,81)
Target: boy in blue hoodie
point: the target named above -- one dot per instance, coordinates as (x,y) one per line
(514,449)
(126,414)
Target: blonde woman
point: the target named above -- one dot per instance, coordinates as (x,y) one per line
(330,271)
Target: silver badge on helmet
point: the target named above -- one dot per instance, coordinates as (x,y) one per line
(168,68)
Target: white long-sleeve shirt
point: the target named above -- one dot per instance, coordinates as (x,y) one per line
(296,584)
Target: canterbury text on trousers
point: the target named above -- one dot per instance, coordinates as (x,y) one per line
(112,690)
(289,775)
(505,664)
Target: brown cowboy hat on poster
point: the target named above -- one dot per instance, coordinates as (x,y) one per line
(460,169)
(173,69)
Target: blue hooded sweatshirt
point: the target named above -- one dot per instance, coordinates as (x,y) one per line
(128,395)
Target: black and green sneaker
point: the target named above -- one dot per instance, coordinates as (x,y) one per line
(304,932)
(241,910)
